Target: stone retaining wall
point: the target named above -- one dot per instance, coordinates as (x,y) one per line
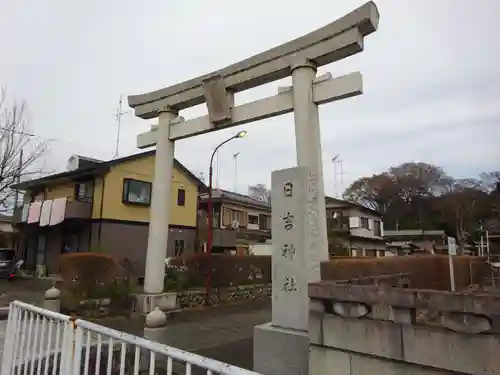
(373,329)
(194,298)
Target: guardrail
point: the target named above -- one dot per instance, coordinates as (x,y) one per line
(42,342)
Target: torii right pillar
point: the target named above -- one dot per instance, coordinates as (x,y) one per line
(299,239)
(299,235)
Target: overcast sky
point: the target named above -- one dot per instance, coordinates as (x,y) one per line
(431,78)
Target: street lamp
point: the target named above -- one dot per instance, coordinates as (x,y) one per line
(240,134)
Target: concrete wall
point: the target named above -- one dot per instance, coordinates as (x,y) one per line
(386,330)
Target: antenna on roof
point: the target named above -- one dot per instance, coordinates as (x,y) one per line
(119,113)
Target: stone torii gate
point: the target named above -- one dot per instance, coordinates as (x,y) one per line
(298,58)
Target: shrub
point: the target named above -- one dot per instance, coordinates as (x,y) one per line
(87,275)
(227,270)
(127,268)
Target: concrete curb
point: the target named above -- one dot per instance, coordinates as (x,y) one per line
(234,307)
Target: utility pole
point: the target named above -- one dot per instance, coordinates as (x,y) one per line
(235,158)
(334,162)
(341,179)
(18,177)
(119,113)
(481,250)
(20,164)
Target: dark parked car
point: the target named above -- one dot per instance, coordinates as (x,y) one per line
(8,263)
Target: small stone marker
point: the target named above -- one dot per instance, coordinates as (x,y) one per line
(296,247)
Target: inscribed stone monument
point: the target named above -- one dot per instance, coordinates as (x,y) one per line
(297,253)
(282,346)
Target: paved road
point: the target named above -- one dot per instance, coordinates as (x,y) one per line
(223,334)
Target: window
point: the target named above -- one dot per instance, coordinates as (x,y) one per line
(376,228)
(253,219)
(83,191)
(336,220)
(354,222)
(365,223)
(238,216)
(179,247)
(264,222)
(181,197)
(6,254)
(136,192)
(37,196)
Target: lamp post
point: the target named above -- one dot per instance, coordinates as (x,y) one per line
(240,134)
(235,171)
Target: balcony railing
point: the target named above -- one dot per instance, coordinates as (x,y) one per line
(74,210)
(78,210)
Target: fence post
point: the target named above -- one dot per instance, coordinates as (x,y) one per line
(77,344)
(52,300)
(12,336)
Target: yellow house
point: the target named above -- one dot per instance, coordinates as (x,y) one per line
(102,206)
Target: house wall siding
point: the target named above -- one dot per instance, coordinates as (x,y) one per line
(130,240)
(143,169)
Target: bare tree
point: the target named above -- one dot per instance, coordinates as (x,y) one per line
(465,204)
(20,151)
(260,192)
(490,180)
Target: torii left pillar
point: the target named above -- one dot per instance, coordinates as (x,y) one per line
(159,221)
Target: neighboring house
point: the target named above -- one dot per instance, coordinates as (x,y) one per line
(493,228)
(102,206)
(409,241)
(238,220)
(8,233)
(354,230)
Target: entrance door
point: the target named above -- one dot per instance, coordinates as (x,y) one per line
(30,252)
(40,250)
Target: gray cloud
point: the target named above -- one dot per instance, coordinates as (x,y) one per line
(431,78)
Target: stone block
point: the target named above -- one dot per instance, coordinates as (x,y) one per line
(364,365)
(217,100)
(366,336)
(323,361)
(447,350)
(278,351)
(145,303)
(316,315)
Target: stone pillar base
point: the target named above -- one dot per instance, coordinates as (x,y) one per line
(145,303)
(278,351)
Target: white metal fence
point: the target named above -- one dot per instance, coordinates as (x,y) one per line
(42,342)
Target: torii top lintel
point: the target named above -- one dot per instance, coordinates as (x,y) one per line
(333,42)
